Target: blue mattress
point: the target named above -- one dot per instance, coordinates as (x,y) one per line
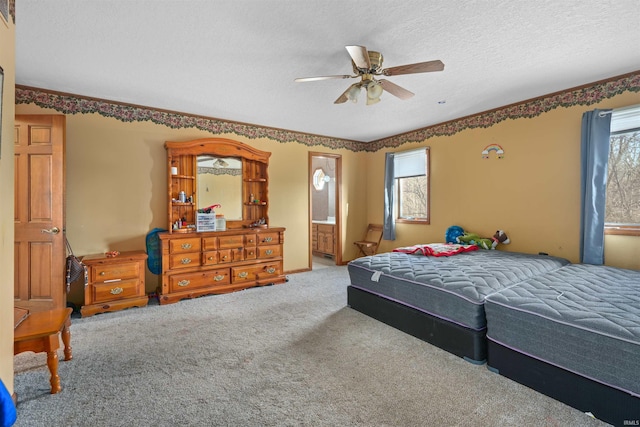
(452,288)
(582,318)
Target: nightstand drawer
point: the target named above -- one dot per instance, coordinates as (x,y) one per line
(100,273)
(189,281)
(112,291)
(184,260)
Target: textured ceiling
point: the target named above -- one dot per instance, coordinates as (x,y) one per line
(237,59)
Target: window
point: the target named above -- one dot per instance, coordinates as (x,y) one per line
(411,172)
(622,212)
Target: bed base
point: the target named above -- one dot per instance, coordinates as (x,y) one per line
(604,402)
(463,342)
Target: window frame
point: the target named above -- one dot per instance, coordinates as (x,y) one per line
(628,120)
(397,201)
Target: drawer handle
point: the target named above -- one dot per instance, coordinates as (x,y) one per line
(268,239)
(243,275)
(185,260)
(224,257)
(184,283)
(250,252)
(271,270)
(268,251)
(218,278)
(186,246)
(116,291)
(210,258)
(250,240)
(102,273)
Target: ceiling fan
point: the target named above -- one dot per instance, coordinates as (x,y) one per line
(367,64)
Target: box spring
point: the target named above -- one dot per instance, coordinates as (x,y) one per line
(463,342)
(573,334)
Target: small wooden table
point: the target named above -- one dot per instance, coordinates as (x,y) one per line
(39,332)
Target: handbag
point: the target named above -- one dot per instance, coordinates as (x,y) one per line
(75,268)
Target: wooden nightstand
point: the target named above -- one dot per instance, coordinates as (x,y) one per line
(115,283)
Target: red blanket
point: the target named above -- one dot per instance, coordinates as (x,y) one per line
(437,249)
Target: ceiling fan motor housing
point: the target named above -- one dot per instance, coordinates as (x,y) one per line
(375,59)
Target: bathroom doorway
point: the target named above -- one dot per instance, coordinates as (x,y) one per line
(325,183)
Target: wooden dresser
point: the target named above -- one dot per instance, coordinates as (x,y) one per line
(231,178)
(114,282)
(195,264)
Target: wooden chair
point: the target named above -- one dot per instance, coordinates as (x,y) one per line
(369,244)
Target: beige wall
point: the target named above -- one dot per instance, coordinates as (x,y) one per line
(533,193)
(117,179)
(7,62)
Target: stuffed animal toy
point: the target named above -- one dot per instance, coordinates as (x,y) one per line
(484,242)
(452,234)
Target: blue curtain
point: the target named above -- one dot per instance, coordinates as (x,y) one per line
(594,162)
(389,224)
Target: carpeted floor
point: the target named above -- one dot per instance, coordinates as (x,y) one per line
(287,355)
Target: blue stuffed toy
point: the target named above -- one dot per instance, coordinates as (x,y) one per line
(452,234)
(7,408)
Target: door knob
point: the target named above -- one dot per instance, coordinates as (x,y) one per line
(54,230)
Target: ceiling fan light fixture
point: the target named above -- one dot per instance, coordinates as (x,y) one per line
(353,93)
(374,90)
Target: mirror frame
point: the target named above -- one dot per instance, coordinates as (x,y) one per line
(219,147)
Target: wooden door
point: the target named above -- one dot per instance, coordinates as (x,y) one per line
(39,212)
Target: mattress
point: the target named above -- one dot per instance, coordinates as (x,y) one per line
(451,288)
(582,318)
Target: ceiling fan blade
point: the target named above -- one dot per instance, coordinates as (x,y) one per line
(395,90)
(313,79)
(344,97)
(420,67)
(360,56)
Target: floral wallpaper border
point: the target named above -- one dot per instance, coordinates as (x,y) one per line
(74,104)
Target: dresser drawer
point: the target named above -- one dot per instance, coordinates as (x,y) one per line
(184,260)
(256,272)
(269,251)
(250,253)
(189,281)
(209,243)
(250,240)
(268,238)
(230,242)
(100,273)
(209,258)
(113,291)
(177,246)
(230,255)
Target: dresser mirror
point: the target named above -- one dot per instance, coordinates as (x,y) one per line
(219,181)
(209,171)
